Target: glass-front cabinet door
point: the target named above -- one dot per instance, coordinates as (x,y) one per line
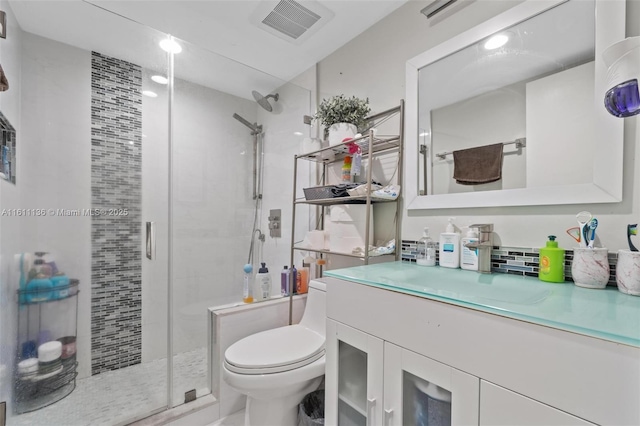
(420,391)
(354,376)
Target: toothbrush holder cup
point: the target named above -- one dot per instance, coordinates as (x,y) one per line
(628,272)
(590,267)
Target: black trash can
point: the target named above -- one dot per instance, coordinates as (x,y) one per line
(311,409)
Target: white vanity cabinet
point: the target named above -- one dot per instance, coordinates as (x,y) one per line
(421,391)
(500,406)
(358,364)
(354,375)
(389,346)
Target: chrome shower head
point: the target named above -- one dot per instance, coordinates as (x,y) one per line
(264,100)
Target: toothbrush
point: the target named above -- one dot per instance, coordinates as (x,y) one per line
(632,230)
(592,231)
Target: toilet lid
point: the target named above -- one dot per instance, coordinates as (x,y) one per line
(275,350)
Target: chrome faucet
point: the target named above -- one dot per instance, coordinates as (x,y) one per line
(484,245)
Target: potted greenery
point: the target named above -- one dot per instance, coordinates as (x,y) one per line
(342,116)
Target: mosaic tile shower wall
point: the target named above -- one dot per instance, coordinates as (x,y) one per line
(514,260)
(116,178)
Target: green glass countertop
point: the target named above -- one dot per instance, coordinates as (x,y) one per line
(606,314)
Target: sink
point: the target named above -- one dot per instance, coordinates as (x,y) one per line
(465,286)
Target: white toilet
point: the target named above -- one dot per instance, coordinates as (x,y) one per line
(277,368)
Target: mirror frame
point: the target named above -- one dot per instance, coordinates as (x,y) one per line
(608,157)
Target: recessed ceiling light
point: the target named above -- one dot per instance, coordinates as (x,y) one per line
(159,79)
(150,94)
(297,133)
(170,45)
(496,41)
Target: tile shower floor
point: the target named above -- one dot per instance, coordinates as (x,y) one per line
(118,397)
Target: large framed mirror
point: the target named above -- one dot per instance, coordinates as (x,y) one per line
(539,94)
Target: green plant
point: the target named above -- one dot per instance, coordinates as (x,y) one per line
(339,109)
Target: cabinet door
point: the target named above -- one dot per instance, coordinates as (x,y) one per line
(500,406)
(420,391)
(353,384)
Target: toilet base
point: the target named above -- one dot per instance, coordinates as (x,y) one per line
(281,410)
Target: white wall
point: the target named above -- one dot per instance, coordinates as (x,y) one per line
(373,65)
(561,137)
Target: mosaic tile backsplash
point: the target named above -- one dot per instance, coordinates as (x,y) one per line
(116,184)
(514,260)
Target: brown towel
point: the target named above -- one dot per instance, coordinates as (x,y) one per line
(4,83)
(478,165)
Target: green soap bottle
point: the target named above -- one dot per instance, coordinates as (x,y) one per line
(551,268)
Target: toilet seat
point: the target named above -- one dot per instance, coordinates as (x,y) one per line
(275,351)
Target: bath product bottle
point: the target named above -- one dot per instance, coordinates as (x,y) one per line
(247,291)
(469,256)
(60,284)
(39,289)
(262,287)
(293,277)
(303,279)
(450,247)
(320,263)
(426,250)
(551,267)
(346,169)
(284,281)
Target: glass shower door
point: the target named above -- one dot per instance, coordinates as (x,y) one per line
(81,308)
(232,162)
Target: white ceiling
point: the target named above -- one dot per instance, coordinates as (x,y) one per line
(224,50)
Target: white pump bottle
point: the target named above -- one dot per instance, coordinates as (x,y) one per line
(450,247)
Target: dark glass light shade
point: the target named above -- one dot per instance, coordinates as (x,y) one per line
(623,100)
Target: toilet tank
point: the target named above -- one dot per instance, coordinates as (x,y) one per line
(315,312)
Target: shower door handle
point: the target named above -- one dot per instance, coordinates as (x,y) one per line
(151,240)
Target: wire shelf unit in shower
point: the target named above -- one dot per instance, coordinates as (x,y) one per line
(45,315)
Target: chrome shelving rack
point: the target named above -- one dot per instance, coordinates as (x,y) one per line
(370,143)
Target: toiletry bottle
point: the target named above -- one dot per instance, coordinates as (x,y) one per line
(60,284)
(303,279)
(284,281)
(469,256)
(293,279)
(39,289)
(262,286)
(346,169)
(450,247)
(551,268)
(247,291)
(320,263)
(426,250)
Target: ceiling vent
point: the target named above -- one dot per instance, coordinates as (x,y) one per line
(443,9)
(290,20)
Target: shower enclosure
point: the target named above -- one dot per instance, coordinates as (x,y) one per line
(137,181)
